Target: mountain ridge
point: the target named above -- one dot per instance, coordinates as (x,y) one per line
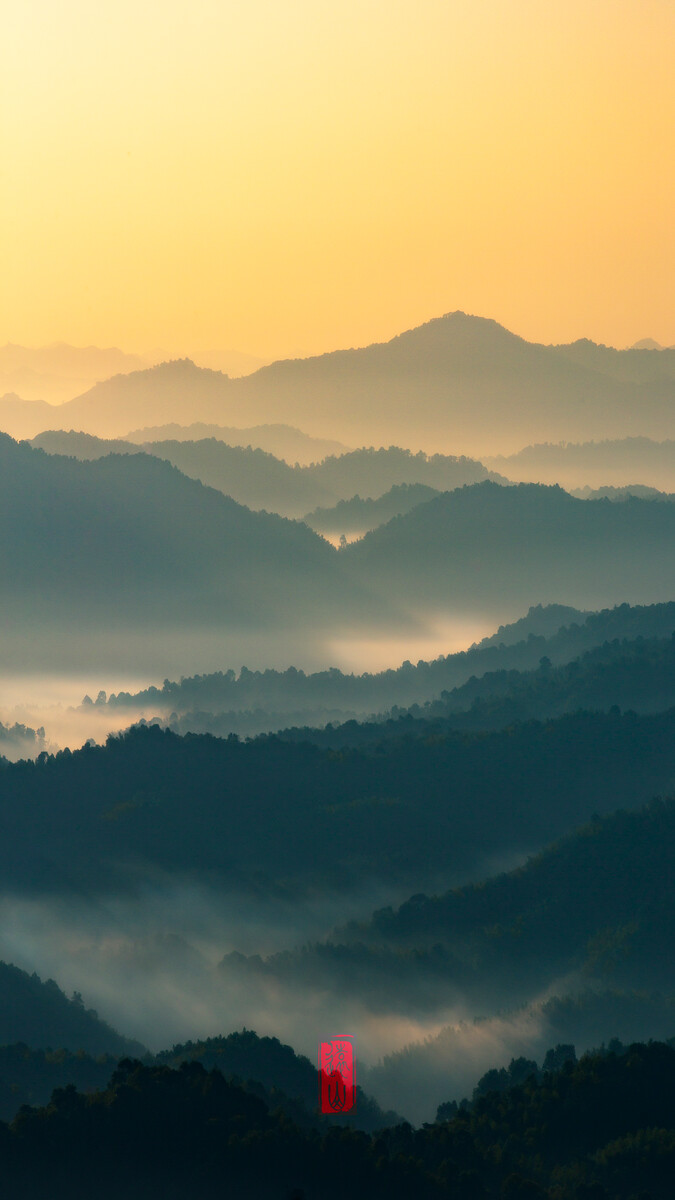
(439,383)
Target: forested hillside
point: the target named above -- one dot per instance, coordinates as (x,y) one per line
(499,669)
(594,909)
(39,1014)
(258,479)
(598,1129)
(537,542)
(359,516)
(111,542)
(150,799)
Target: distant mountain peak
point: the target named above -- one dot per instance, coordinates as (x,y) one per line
(185,366)
(646,344)
(466,322)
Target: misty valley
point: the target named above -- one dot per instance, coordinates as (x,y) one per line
(340,695)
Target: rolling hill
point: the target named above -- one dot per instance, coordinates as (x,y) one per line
(360,516)
(259,480)
(528,541)
(636,675)
(109,546)
(56,373)
(284,441)
(40,1015)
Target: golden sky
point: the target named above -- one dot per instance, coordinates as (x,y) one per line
(286,177)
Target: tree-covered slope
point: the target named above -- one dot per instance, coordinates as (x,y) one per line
(602,1128)
(611,461)
(558,633)
(409,811)
(358,516)
(637,675)
(266,1067)
(113,542)
(528,542)
(40,1015)
(286,1078)
(256,478)
(598,906)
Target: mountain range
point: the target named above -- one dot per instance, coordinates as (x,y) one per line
(459,383)
(261,481)
(108,546)
(283,441)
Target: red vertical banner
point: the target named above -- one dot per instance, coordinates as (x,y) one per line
(337,1090)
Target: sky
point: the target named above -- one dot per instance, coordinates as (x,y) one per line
(286,177)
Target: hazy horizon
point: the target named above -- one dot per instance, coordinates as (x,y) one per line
(66,373)
(420,177)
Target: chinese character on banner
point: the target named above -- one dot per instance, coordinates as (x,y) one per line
(337,1092)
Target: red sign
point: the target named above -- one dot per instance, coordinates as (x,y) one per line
(337,1092)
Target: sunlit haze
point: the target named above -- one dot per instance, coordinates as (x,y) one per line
(285,179)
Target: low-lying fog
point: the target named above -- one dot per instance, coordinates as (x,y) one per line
(149,966)
(51,699)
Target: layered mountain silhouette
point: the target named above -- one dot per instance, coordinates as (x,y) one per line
(529,542)
(56,373)
(284,441)
(647,344)
(618,462)
(623,493)
(261,481)
(129,540)
(507,665)
(636,676)
(25,418)
(360,516)
(85,446)
(458,383)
